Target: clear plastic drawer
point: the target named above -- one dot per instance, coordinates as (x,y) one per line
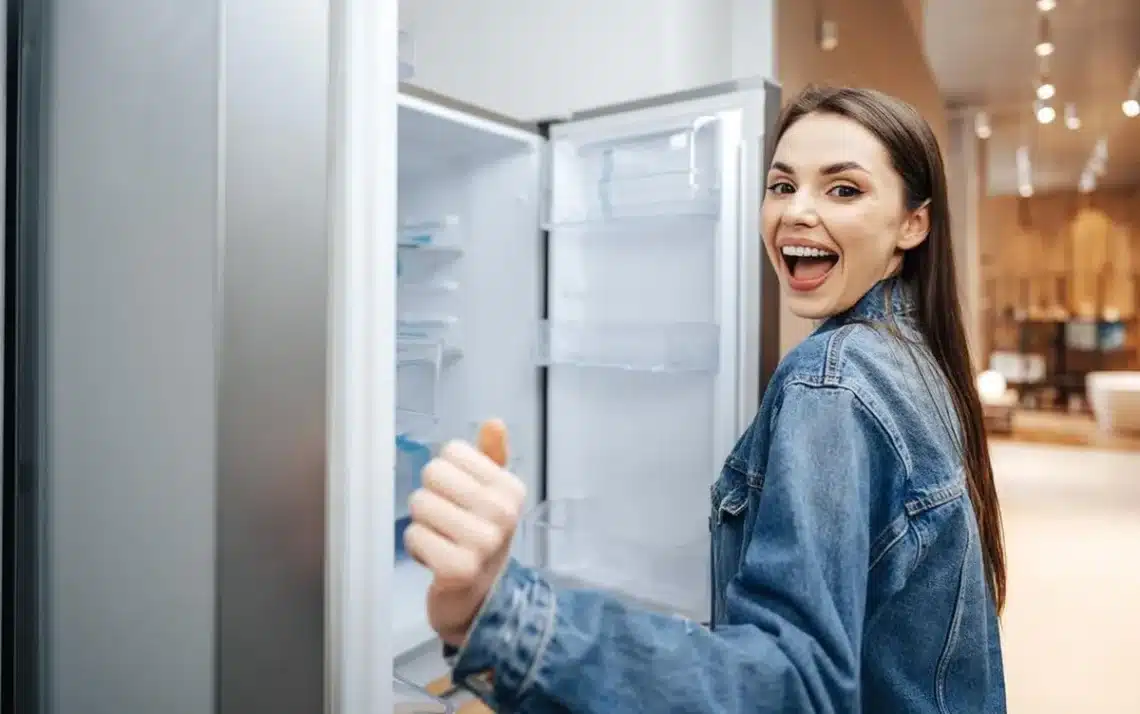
(596,544)
(418,365)
(672,172)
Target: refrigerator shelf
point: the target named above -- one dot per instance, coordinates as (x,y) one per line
(652,226)
(639,347)
(592,543)
(429,287)
(437,232)
(436,328)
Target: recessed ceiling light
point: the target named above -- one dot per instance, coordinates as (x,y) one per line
(1046,90)
(1046,114)
(828,35)
(1025,190)
(1046,5)
(1131,108)
(982,125)
(1072,121)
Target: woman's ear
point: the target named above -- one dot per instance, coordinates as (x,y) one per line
(916,227)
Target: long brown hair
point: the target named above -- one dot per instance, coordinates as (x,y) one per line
(928,270)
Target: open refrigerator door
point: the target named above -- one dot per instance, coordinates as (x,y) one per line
(643,343)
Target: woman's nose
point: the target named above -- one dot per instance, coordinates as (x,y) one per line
(800,210)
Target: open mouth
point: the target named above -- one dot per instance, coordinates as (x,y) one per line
(807,266)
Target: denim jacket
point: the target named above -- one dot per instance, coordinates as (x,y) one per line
(847,571)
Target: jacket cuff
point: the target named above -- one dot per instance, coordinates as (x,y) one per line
(508,638)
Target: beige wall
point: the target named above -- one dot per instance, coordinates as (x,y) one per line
(879,47)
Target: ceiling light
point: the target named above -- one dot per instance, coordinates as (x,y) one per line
(1025,190)
(1071,119)
(1046,90)
(1045,113)
(1044,48)
(1131,108)
(828,35)
(982,125)
(1046,5)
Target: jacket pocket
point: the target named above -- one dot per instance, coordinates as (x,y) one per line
(729,525)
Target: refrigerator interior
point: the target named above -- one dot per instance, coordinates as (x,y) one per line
(469,281)
(646,221)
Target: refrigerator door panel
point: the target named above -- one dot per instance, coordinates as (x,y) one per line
(650,215)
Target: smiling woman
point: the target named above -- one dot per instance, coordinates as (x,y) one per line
(833,214)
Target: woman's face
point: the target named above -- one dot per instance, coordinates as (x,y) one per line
(834,215)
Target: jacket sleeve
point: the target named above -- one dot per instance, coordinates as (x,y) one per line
(795,608)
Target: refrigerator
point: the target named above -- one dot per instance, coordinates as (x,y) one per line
(598,282)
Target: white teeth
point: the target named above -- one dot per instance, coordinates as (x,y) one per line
(803,251)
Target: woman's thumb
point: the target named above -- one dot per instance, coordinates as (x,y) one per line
(493,440)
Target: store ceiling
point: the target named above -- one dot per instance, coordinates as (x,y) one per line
(981,52)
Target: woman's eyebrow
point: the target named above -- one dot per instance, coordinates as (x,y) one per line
(828,170)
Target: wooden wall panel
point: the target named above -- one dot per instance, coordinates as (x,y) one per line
(1061,254)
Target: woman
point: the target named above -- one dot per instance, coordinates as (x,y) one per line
(858,563)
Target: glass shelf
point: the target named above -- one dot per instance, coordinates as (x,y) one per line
(430,287)
(439,232)
(666,173)
(593,543)
(425,327)
(639,347)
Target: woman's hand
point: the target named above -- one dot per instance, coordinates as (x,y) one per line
(463,521)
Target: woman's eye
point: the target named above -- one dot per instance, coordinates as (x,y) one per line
(782,187)
(845,191)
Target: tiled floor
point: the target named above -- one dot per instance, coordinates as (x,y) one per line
(1072,624)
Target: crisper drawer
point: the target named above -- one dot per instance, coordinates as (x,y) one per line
(594,544)
(672,171)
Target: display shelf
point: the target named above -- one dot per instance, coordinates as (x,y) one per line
(592,543)
(668,173)
(639,347)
